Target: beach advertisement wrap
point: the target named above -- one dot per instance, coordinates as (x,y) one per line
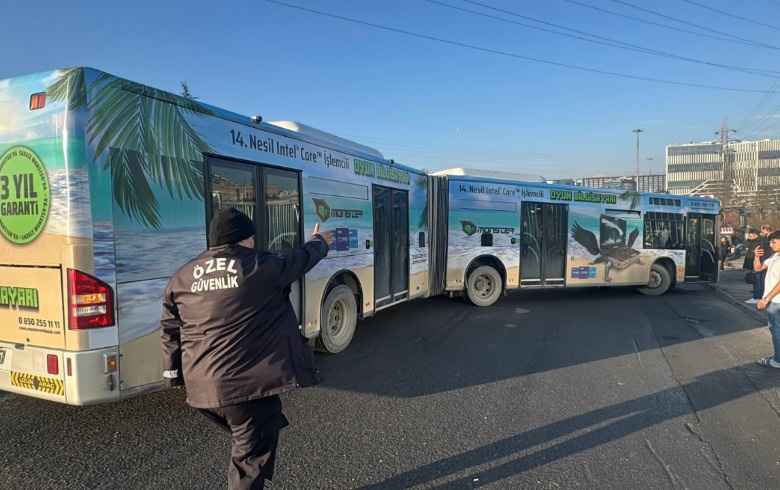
(42,159)
(605,244)
(483,220)
(113,171)
(418,236)
(605,247)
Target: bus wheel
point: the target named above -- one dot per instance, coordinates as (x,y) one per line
(483,287)
(338,320)
(659,282)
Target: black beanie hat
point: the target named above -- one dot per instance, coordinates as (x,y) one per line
(230,226)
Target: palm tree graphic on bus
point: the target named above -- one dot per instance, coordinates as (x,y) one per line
(144,135)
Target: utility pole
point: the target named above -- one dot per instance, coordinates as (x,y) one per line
(725,162)
(637,131)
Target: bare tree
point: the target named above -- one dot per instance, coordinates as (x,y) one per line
(185,91)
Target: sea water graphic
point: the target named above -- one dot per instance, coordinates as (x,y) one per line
(152,254)
(577,250)
(459,257)
(330,265)
(71,216)
(103,247)
(145,260)
(140,308)
(70,213)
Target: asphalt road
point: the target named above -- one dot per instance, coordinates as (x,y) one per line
(546,389)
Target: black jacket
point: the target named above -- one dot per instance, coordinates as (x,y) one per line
(750,247)
(229,330)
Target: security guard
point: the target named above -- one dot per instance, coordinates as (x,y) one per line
(230,333)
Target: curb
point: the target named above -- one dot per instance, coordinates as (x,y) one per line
(726,289)
(749,309)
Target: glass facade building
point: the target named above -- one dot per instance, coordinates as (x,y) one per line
(744,168)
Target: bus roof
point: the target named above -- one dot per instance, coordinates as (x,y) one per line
(326,137)
(303,131)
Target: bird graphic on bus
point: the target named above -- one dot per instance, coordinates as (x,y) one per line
(615,250)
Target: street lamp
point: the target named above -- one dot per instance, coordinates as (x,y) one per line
(637,131)
(649,159)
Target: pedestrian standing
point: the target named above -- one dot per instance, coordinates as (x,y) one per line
(750,246)
(230,335)
(772,267)
(737,243)
(724,252)
(760,277)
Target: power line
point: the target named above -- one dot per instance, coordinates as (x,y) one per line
(764,99)
(763,122)
(512,55)
(701,34)
(609,42)
(731,15)
(694,25)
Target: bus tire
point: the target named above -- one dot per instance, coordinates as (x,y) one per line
(484,286)
(338,319)
(659,283)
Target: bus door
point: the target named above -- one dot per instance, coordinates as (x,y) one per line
(543,243)
(270,196)
(391,246)
(701,242)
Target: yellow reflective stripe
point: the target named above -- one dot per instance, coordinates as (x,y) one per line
(43,384)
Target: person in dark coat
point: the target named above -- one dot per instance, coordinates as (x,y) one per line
(724,251)
(760,277)
(751,241)
(751,244)
(230,335)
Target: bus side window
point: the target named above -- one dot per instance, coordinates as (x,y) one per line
(663,230)
(421,239)
(487,240)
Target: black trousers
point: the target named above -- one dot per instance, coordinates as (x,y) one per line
(254,426)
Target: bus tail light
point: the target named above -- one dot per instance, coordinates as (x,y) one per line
(90,301)
(52,364)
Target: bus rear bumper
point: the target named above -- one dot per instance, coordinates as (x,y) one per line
(74,378)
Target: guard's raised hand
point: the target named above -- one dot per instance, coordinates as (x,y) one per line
(327,234)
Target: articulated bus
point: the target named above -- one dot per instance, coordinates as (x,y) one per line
(494,232)
(107,187)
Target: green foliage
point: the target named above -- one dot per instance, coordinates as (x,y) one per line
(144,134)
(69,86)
(632,197)
(421,182)
(185,91)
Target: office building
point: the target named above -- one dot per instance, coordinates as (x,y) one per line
(739,172)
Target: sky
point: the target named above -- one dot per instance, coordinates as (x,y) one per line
(554,88)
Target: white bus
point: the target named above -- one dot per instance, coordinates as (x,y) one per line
(107,186)
(492,233)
